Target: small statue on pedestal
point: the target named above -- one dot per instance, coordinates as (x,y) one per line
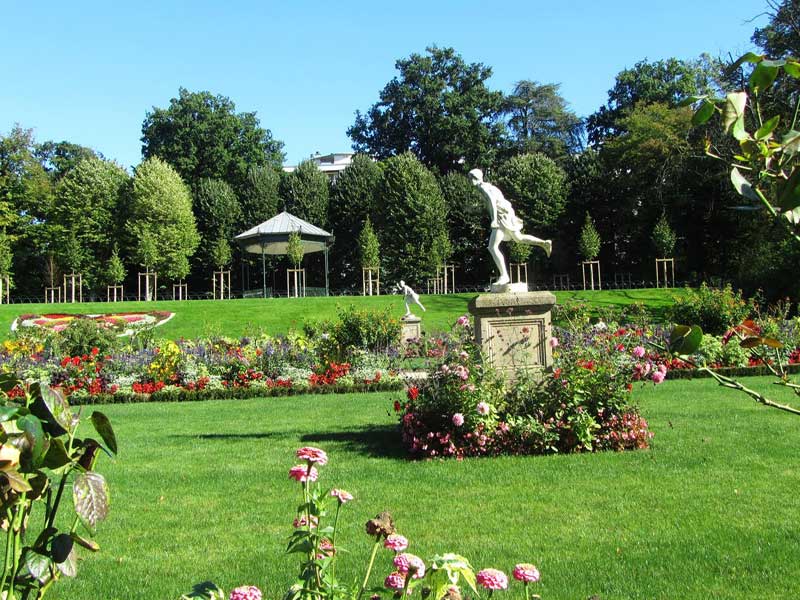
(506,227)
(410,297)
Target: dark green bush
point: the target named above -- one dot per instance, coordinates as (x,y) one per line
(715,310)
(81,336)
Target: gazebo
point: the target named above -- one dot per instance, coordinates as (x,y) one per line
(272,236)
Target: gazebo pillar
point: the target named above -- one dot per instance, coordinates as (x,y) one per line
(327,289)
(263,270)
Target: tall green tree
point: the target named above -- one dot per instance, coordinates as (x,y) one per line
(369,247)
(540,121)
(59,158)
(664,81)
(294,250)
(306,191)
(437,107)
(259,198)
(589,243)
(781,36)
(413,215)
(468,226)
(88,199)
(663,238)
(217,214)
(161,226)
(537,187)
(353,198)
(202,135)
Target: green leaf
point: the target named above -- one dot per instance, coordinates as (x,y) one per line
(52,408)
(743,186)
(38,566)
(17,482)
(103,427)
(685,340)
(791,142)
(90,495)
(792,68)
(789,197)
(763,76)
(733,110)
(69,567)
(767,128)
(61,547)
(704,113)
(8,412)
(692,100)
(34,437)
(751,342)
(750,57)
(56,456)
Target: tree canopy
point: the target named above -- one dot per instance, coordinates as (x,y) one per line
(202,135)
(437,107)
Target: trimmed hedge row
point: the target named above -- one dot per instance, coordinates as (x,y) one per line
(240,393)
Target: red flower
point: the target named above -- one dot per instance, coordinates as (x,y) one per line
(76,360)
(397,406)
(413,393)
(95,351)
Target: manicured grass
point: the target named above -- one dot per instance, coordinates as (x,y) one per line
(200,491)
(278,315)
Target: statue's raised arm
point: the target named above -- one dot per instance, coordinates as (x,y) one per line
(506,226)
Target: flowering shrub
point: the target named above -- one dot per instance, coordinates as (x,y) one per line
(714,310)
(314,540)
(582,404)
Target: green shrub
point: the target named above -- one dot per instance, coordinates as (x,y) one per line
(714,310)
(81,336)
(374,331)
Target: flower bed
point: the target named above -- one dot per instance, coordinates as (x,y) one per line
(124,323)
(583,404)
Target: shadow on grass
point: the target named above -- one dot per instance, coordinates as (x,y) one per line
(377,441)
(233,436)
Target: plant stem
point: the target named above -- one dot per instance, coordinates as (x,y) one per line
(9,541)
(735,385)
(369,567)
(333,539)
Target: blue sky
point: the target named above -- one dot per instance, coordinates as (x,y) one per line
(87,72)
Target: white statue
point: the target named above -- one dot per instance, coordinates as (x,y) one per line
(506,226)
(410,297)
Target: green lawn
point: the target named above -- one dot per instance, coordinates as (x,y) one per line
(200,491)
(278,315)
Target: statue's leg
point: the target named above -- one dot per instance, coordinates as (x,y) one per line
(494,249)
(524,238)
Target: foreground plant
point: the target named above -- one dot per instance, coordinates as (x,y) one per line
(40,455)
(314,540)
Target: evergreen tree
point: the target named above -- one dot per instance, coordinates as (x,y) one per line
(589,244)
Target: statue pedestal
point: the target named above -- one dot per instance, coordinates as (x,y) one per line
(412,329)
(513,330)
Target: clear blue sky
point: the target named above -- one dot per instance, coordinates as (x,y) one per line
(87,72)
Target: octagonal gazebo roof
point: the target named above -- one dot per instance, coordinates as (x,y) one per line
(272,236)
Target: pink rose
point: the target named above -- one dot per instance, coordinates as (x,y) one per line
(658,377)
(458,419)
(245,592)
(483,408)
(526,572)
(312,455)
(463,320)
(492,579)
(342,495)
(303,473)
(638,352)
(396,542)
(553,342)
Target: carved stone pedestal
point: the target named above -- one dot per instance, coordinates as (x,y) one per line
(513,330)
(412,329)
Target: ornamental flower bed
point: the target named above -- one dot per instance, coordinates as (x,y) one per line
(124,323)
(129,370)
(583,404)
(314,540)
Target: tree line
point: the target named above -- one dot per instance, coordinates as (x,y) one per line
(636,169)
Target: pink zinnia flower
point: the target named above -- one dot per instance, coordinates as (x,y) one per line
(492,579)
(245,592)
(303,473)
(410,563)
(395,581)
(326,547)
(342,495)
(463,320)
(553,342)
(658,377)
(483,408)
(526,572)
(312,455)
(458,419)
(302,522)
(638,351)
(396,542)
